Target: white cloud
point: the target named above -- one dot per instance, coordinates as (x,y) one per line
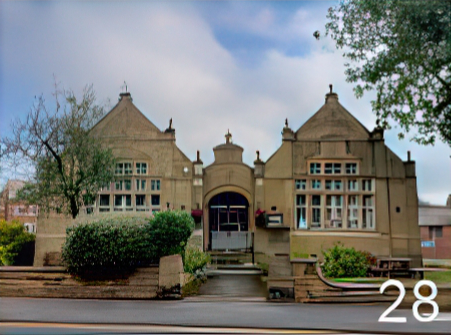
(174,67)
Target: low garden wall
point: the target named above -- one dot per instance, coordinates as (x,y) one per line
(160,281)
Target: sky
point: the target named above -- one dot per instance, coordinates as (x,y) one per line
(209,65)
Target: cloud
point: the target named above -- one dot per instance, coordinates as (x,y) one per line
(176,67)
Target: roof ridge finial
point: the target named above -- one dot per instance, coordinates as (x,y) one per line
(330,87)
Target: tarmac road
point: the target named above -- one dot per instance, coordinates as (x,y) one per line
(215,314)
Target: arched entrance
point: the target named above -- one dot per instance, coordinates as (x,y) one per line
(227,212)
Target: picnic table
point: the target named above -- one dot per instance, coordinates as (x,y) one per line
(392,266)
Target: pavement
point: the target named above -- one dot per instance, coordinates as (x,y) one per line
(232,285)
(216,314)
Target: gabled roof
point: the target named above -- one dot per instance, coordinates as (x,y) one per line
(332,122)
(125,120)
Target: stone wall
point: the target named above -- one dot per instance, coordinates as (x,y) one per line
(163,281)
(41,283)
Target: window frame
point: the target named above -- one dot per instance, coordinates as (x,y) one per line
(141,168)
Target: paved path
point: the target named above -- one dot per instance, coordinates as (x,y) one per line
(235,284)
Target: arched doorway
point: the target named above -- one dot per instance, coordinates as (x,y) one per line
(228,212)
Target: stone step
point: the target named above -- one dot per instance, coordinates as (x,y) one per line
(244,266)
(340,294)
(353,300)
(217,272)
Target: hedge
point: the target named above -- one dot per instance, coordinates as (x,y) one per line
(115,246)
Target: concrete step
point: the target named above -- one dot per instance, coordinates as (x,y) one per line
(222,298)
(353,300)
(236,271)
(243,266)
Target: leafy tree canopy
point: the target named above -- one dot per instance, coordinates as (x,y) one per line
(70,166)
(401,49)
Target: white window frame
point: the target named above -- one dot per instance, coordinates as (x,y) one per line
(351,168)
(334,168)
(353,221)
(317,209)
(316,184)
(368,213)
(300,184)
(367,185)
(301,219)
(315,168)
(123,206)
(140,184)
(334,185)
(119,185)
(155,208)
(155,185)
(335,219)
(141,208)
(353,185)
(141,168)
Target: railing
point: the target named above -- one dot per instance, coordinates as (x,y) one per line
(231,240)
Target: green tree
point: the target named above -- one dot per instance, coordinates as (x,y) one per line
(401,49)
(12,238)
(70,166)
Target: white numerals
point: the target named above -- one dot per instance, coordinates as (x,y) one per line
(421,300)
(402,293)
(425,300)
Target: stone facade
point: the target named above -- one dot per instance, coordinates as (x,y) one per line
(331,180)
(152,173)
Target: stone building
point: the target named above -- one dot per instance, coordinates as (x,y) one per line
(331,180)
(152,173)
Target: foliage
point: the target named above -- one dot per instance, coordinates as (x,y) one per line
(106,246)
(192,287)
(115,246)
(13,237)
(195,261)
(344,262)
(169,232)
(402,49)
(69,166)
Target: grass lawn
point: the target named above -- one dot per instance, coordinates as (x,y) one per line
(359,280)
(438,277)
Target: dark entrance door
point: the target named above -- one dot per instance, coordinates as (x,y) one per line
(228,212)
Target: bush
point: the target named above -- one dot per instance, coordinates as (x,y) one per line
(111,245)
(114,247)
(345,262)
(195,261)
(13,238)
(168,232)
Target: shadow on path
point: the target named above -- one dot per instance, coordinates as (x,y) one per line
(234,285)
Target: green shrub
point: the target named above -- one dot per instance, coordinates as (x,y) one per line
(195,261)
(111,245)
(114,246)
(13,237)
(169,233)
(342,262)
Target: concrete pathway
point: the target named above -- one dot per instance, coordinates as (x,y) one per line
(233,285)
